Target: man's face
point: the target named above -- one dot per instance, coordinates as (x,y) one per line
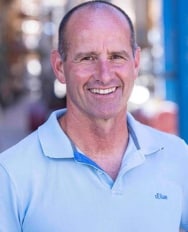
(100,68)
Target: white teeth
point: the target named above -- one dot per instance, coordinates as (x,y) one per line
(103,91)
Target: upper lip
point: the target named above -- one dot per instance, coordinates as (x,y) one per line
(102,90)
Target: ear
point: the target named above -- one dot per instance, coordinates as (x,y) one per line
(137,60)
(57,66)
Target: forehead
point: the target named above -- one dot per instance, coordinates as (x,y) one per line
(96,18)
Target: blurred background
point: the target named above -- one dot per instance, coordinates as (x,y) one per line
(29,91)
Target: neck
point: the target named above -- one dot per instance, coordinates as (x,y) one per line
(82,130)
(104,141)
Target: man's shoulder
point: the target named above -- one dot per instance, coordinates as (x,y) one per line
(149,135)
(21,152)
(30,146)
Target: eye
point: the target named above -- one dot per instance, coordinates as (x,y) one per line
(87,58)
(117,57)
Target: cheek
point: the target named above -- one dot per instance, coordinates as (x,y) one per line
(85,70)
(80,71)
(131,72)
(74,82)
(126,73)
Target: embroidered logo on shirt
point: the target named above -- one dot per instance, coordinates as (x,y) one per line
(160,196)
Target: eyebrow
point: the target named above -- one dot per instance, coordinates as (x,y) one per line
(121,53)
(93,53)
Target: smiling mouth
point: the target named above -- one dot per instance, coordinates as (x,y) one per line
(103,91)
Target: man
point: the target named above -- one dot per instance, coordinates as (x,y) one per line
(92,167)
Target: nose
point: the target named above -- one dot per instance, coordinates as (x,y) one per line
(103,72)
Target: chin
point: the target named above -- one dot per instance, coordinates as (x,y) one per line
(106,115)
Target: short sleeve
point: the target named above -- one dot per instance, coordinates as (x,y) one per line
(184,219)
(9,213)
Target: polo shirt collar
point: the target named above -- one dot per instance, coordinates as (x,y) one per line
(56,144)
(144,137)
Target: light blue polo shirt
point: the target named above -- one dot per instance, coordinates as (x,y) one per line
(48,185)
